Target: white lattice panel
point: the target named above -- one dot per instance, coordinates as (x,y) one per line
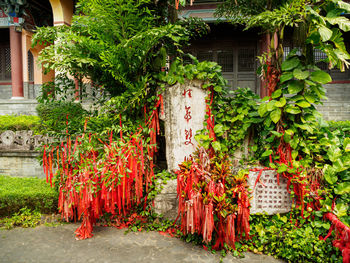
(269,196)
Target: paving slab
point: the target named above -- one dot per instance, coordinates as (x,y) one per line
(109,244)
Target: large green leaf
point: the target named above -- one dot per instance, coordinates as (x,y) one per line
(276,94)
(325,33)
(218,128)
(341,209)
(310,98)
(271,105)
(286,76)
(281,102)
(282,168)
(303,104)
(266,153)
(341,21)
(334,153)
(294,142)
(320,77)
(295,86)
(299,74)
(342,188)
(346,144)
(276,115)
(262,109)
(290,64)
(292,109)
(329,174)
(216,145)
(342,5)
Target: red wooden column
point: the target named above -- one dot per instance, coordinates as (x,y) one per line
(16,64)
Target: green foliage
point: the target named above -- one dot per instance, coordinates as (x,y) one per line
(153,223)
(20,122)
(342,126)
(159,180)
(197,27)
(240,11)
(278,236)
(292,107)
(24,218)
(54,117)
(17,193)
(334,160)
(63,88)
(237,119)
(115,45)
(318,25)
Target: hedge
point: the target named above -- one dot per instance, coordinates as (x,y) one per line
(20,122)
(34,193)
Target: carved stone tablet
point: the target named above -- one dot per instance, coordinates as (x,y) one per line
(269,196)
(22,141)
(7,138)
(184,115)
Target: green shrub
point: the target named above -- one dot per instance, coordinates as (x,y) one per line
(279,236)
(17,193)
(54,116)
(20,122)
(343,126)
(24,218)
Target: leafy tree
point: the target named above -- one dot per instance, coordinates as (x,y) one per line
(113,43)
(240,11)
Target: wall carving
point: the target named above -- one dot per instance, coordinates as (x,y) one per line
(268,196)
(22,141)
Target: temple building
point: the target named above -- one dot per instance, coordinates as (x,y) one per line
(20,74)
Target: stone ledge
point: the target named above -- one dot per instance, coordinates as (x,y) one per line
(21,101)
(15,153)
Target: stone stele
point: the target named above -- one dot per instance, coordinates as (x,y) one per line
(184,115)
(269,196)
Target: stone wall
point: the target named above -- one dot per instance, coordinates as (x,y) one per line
(166,202)
(17,153)
(5,92)
(21,164)
(337,107)
(19,107)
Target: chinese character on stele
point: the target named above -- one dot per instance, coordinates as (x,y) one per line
(188,135)
(188,92)
(188,113)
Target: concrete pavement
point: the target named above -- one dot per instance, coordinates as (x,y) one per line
(109,244)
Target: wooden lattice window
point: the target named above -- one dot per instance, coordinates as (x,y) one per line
(237,60)
(225,59)
(5,63)
(246,59)
(205,55)
(30,66)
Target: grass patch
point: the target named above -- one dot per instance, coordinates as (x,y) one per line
(33,193)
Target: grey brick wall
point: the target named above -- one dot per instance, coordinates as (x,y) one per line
(20,107)
(5,92)
(337,107)
(21,164)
